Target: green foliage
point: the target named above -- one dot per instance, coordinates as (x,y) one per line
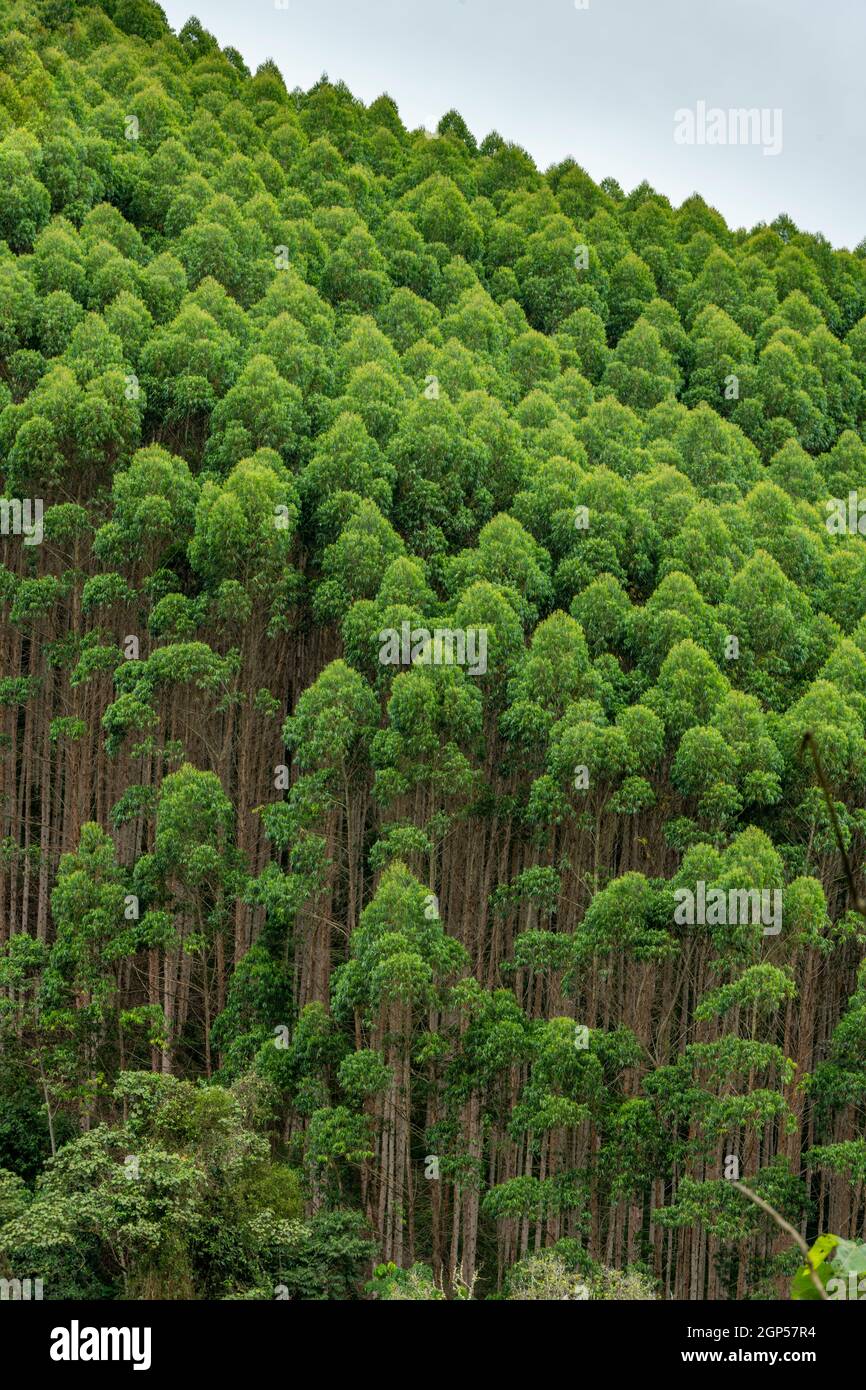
(364,951)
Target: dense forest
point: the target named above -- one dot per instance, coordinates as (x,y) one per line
(421,576)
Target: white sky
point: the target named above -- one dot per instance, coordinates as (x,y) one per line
(602,84)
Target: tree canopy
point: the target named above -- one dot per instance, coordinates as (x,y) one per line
(419,574)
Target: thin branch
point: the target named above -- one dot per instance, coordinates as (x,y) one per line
(788,1229)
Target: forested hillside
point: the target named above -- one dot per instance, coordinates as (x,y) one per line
(419,573)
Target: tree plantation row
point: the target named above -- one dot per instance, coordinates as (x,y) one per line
(424,582)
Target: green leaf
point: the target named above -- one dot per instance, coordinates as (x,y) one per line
(802,1285)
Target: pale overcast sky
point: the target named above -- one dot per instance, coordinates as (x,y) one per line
(602,84)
